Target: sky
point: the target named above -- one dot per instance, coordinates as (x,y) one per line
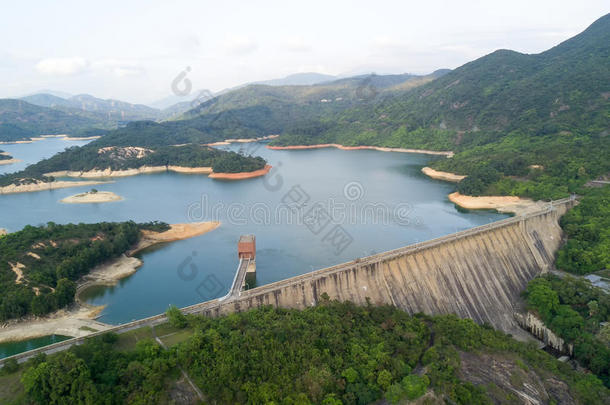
(133,50)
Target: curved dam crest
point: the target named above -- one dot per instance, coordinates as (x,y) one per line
(478,273)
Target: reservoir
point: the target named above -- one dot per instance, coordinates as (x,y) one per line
(376,200)
(10,348)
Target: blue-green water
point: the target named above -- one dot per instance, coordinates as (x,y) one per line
(33,152)
(11,348)
(381,200)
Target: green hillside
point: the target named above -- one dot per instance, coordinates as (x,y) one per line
(20,120)
(331,354)
(501,113)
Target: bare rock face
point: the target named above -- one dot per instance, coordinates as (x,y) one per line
(127,152)
(508,382)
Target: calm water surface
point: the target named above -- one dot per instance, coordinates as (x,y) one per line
(33,152)
(381,200)
(8,349)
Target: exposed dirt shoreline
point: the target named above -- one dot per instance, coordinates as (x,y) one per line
(51,185)
(93,174)
(78,320)
(9,161)
(378,148)
(109,173)
(242,175)
(504,204)
(63,137)
(445,176)
(89,197)
(241,140)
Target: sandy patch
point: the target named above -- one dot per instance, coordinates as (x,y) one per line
(18,270)
(506,204)
(9,161)
(34,255)
(89,197)
(76,322)
(190,170)
(43,137)
(110,272)
(378,148)
(241,140)
(242,175)
(176,232)
(445,176)
(40,186)
(101,173)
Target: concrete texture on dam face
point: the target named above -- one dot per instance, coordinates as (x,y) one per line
(478,273)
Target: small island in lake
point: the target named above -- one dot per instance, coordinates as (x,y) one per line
(92,196)
(6,159)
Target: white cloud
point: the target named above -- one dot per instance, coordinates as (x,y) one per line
(296,44)
(240,45)
(118,67)
(62,66)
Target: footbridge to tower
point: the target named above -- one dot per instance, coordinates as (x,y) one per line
(478,273)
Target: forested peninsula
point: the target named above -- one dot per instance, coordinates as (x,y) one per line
(91,158)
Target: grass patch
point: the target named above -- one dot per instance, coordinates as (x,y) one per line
(176,337)
(128,340)
(88,329)
(11,389)
(165,329)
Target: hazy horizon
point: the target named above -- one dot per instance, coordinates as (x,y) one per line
(133,51)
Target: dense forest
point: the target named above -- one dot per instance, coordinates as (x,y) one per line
(588,229)
(572,307)
(39,265)
(331,354)
(576,311)
(89,157)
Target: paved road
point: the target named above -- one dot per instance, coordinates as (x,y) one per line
(238,281)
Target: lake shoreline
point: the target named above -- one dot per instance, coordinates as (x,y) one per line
(43,137)
(445,176)
(108,173)
(240,140)
(377,148)
(92,198)
(241,175)
(80,317)
(42,186)
(503,204)
(9,161)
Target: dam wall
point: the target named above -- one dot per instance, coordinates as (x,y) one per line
(478,273)
(536,327)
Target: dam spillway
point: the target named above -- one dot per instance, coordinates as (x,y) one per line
(478,273)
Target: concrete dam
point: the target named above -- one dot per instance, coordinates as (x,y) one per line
(478,273)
